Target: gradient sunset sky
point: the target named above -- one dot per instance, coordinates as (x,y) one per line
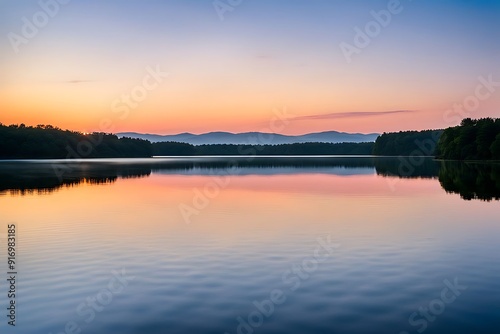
(229,75)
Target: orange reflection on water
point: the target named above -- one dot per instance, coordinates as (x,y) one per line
(227,206)
(260,207)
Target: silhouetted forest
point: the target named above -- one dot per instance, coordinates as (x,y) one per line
(407,143)
(183,149)
(471,140)
(48,142)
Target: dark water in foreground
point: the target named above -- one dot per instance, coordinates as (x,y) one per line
(264,245)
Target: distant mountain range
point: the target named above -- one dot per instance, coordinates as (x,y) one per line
(255,138)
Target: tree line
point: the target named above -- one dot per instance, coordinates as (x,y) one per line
(49,142)
(407,143)
(471,140)
(477,139)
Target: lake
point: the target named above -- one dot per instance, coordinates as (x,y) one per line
(252,245)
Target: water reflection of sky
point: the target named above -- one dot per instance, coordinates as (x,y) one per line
(397,245)
(469,180)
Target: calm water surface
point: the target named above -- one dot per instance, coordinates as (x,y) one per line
(267,245)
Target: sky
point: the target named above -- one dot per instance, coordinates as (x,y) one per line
(174,66)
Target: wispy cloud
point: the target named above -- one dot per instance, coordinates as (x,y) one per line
(70,82)
(77,81)
(353,114)
(264,56)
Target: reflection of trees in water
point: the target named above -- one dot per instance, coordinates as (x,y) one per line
(41,188)
(42,178)
(471,180)
(29,178)
(261,162)
(407,167)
